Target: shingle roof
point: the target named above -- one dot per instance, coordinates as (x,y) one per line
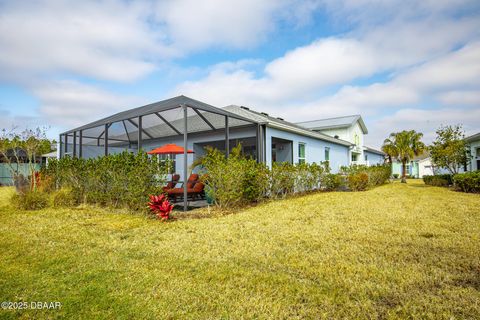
(264,118)
(333,123)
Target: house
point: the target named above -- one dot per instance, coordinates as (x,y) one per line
(352,129)
(415,168)
(473,142)
(14,163)
(422,165)
(263,137)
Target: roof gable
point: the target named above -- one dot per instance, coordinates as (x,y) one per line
(335,123)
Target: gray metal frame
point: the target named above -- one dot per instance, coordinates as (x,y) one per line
(155,108)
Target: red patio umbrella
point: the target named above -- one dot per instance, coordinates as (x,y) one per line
(169,148)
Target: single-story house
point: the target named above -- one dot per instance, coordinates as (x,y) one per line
(422,165)
(263,137)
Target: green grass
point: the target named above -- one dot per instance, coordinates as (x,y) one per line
(398,251)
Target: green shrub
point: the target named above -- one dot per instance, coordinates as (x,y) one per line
(378,175)
(375,175)
(30,200)
(467,182)
(308,176)
(358,181)
(235,180)
(396,175)
(118,180)
(439,180)
(282,179)
(64,198)
(255,180)
(333,182)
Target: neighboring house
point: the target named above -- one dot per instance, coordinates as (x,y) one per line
(422,165)
(48,156)
(263,137)
(412,168)
(474,144)
(352,129)
(18,166)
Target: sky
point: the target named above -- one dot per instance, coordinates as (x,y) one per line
(400,64)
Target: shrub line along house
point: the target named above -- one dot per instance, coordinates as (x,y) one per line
(195,125)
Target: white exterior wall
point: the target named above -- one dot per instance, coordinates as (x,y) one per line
(348,134)
(314,149)
(425,167)
(473,151)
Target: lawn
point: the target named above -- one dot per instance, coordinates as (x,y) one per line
(398,251)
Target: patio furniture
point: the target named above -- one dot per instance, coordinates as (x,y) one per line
(195,189)
(171,184)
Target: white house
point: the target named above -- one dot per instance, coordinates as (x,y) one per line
(474,144)
(351,129)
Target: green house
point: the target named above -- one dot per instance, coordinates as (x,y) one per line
(412,168)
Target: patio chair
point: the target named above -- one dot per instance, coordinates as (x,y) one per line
(195,189)
(171,184)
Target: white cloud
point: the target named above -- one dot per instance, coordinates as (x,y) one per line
(423,120)
(124,40)
(104,40)
(460,97)
(68,104)
(195,24)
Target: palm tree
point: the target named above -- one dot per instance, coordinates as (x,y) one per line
(403,146)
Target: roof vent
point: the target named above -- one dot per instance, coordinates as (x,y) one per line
(243,107)
(280,119)
(336,136)
(265,114)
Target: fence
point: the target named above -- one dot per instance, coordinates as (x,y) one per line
(20,168)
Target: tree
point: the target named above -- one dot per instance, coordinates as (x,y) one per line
(449,149)
(23,147)
(403,146)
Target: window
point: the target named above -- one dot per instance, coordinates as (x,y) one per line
(165,157)
(478,152)
(327,154)
(366,157)
(354,157)
(301,152)
(357,139)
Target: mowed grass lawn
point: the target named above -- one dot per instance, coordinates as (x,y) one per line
(398,251)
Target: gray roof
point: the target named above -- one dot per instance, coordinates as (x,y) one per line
(474,137)
(372,150)
(334,123)
(160,106)
(281,124)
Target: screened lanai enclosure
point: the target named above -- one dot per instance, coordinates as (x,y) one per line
(181,120)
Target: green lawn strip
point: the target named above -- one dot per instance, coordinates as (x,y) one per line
(397,251)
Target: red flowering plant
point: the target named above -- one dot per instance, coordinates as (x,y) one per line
(160,206)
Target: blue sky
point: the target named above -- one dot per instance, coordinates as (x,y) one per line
(400,64)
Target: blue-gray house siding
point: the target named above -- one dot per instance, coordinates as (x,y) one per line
(314,148)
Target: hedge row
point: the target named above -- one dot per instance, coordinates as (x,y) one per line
(439,180)
(117,180)
(237,180)
(467,182)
